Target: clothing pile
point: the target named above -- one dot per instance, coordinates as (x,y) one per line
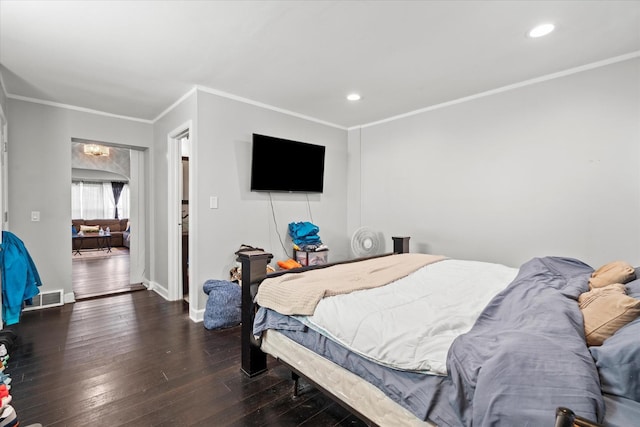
(8,416)
(305,240)
(305,237)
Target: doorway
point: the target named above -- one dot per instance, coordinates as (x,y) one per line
(185,151)
(181,222)
(107,226)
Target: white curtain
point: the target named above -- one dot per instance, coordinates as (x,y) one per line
(123,204)
(94,200)
(76,200)
(108,207)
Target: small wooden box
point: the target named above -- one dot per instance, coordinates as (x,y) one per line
(312,258)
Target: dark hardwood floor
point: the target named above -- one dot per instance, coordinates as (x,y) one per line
(96,273)
(135,359)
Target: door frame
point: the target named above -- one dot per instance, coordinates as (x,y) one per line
(137,215)
(174,218)
(137,207)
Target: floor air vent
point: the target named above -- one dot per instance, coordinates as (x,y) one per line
(46,300)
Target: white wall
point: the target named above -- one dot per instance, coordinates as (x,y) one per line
(222,159)
(40,177)
(354,212)
(177,116)
(546,169)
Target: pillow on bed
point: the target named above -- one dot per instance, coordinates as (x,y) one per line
(618,362)
(605,310)
(613,272)
(633,287)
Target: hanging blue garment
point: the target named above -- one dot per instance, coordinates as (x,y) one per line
(20,278)
(304,233)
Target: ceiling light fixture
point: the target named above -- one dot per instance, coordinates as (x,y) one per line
(353,97)
(541,30)
(96,150)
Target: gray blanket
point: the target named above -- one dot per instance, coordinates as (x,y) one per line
(526,354)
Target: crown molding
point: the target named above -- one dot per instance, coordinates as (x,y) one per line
(525,83)
(175,104)
(194,89)
(75,108)
(267,106)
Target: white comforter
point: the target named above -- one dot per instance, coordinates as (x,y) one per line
(411,323)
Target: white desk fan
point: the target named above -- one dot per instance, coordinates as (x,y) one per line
(366,242)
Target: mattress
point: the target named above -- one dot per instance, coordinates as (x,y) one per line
(346,386)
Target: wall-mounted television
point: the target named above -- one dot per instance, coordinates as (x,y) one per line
(284,165)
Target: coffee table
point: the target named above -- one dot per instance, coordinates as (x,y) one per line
(103,243)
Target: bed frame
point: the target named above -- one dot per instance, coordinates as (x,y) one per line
(254,360)
(565,417)
(254,271)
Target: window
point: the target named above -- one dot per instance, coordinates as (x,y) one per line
(95,200)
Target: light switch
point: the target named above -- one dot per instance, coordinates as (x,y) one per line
(213,202)
(35,215)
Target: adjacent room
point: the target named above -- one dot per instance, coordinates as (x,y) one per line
(452,187)
(101,230)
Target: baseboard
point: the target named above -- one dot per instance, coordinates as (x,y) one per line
(160,290)
(196,315)
(69,298)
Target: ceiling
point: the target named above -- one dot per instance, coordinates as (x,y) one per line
(137,58)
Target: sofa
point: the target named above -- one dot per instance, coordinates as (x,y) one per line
(117,227)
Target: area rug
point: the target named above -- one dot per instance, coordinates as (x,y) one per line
(96,253)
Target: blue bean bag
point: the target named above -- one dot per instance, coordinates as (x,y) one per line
(224,304)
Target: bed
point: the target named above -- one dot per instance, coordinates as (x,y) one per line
(515,354)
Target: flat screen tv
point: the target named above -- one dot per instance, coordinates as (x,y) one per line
(284,165)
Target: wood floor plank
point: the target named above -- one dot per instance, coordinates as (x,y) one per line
(137,360)
(98,273)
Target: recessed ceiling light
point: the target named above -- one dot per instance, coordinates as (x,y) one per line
(353,97)
(541,30)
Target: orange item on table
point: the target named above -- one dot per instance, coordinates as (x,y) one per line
(289,264)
